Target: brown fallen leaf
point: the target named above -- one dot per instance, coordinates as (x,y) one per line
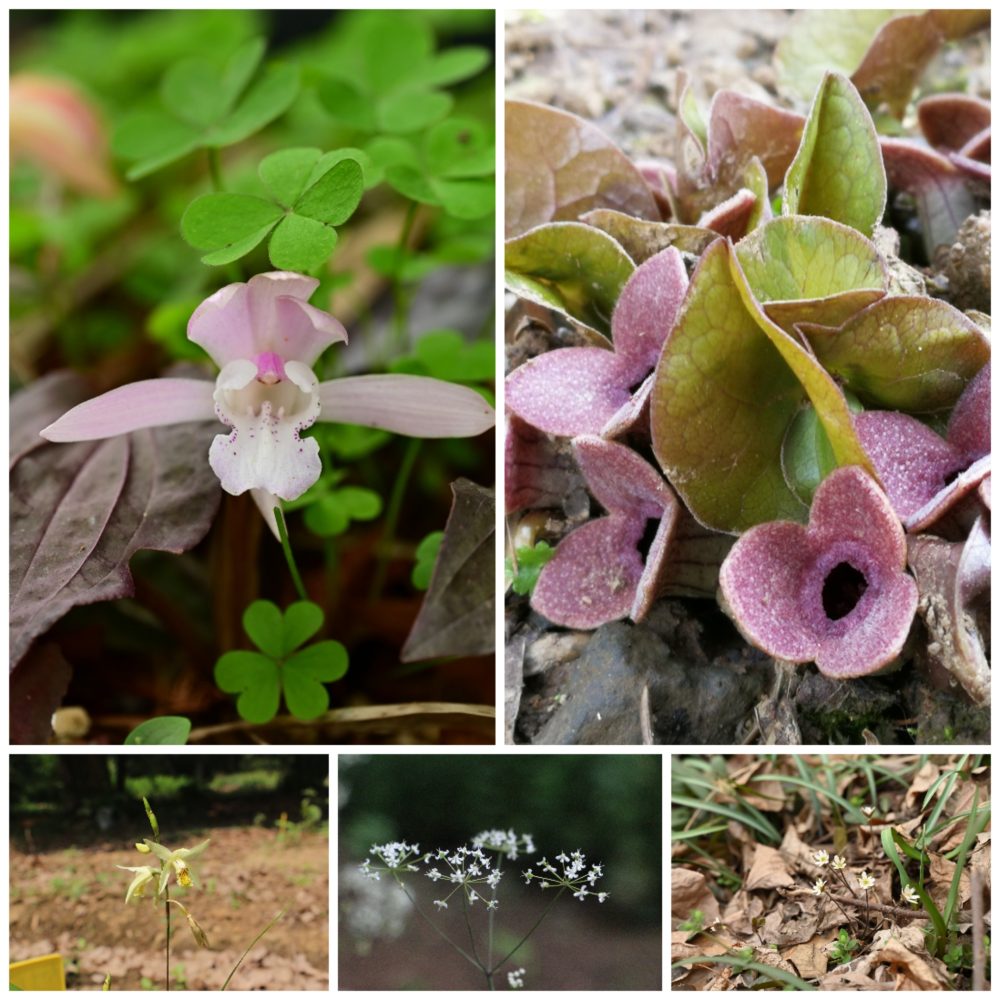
(689,892)
(768,871)
(904,949)
(811,957)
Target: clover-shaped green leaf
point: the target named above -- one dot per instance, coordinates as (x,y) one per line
(205,107)
(312,193)
(389,78)
(446,354)
(333,512)
(281,666)
(530,563)
(451,168)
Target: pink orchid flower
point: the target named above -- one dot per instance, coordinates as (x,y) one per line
(265,337)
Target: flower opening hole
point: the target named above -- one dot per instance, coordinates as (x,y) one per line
(648,535)
(843,587)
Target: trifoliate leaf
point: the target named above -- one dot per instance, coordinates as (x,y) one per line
(287,173)
(412,111)
(347,105)
(228,224)
(255,678)
(303,674)
(301,244)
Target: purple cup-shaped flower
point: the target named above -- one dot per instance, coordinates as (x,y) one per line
(835,591)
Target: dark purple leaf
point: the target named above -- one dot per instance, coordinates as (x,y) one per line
(78,512)
(457,616)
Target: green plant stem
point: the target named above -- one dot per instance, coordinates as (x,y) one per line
(289,555)
(392,516)
(400,304)
(166,906)
(273,921)
(534,927)
(437,930)
(215,169)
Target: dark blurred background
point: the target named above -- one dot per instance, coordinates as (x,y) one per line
(607,806)
(90,798)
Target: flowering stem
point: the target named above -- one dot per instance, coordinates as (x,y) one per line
(289,556)
(510,954)
(392,515)
(166,907)
(437,930)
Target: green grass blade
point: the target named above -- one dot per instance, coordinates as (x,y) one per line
(778,975)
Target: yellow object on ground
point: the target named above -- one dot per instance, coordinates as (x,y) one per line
(42,973)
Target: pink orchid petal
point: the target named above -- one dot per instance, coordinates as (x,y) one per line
(969,424)
(647,310)
(267,313)
(593,576)
(912,462)
(877,638)
(569,391)
(761,581)
(406,404)
(621,480)
(154,402)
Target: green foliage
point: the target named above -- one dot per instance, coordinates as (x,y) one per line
(446,354)
(332,513)
(694,923)
(311,193)
(205,106)
(165,729)
(530,562)
(426,556)
(388,78)
(842,950)
(281,667)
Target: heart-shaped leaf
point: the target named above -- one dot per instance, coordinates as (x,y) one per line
(558,166)
(837,172)
(264,623)
(906,352)
(333,197)
(300,244)
(287,173)
(572,268)
(303,674)
(228,225)
(303,620)
(255,678)
(412,110)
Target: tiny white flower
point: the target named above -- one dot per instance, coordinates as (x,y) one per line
(441,904)
(818,887)
(821,858)
(909,895)
(838,863)
(869,811)
(515,979)
(866,881)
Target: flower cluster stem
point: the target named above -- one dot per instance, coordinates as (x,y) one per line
(534,927)
(273,921)
(289,555)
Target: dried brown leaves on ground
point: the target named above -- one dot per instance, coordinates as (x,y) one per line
(783,874)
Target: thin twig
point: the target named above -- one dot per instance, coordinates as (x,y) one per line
(895,911)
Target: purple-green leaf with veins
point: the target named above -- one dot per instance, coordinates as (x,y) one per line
(728,385)
(599,573)
(740,130)
(558,166)
(575,269)
(837,172)
(589,390)
(807,269)
(884,51)
(80,511)
(949,121)
(905,352)
(835,591)
(642,239)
